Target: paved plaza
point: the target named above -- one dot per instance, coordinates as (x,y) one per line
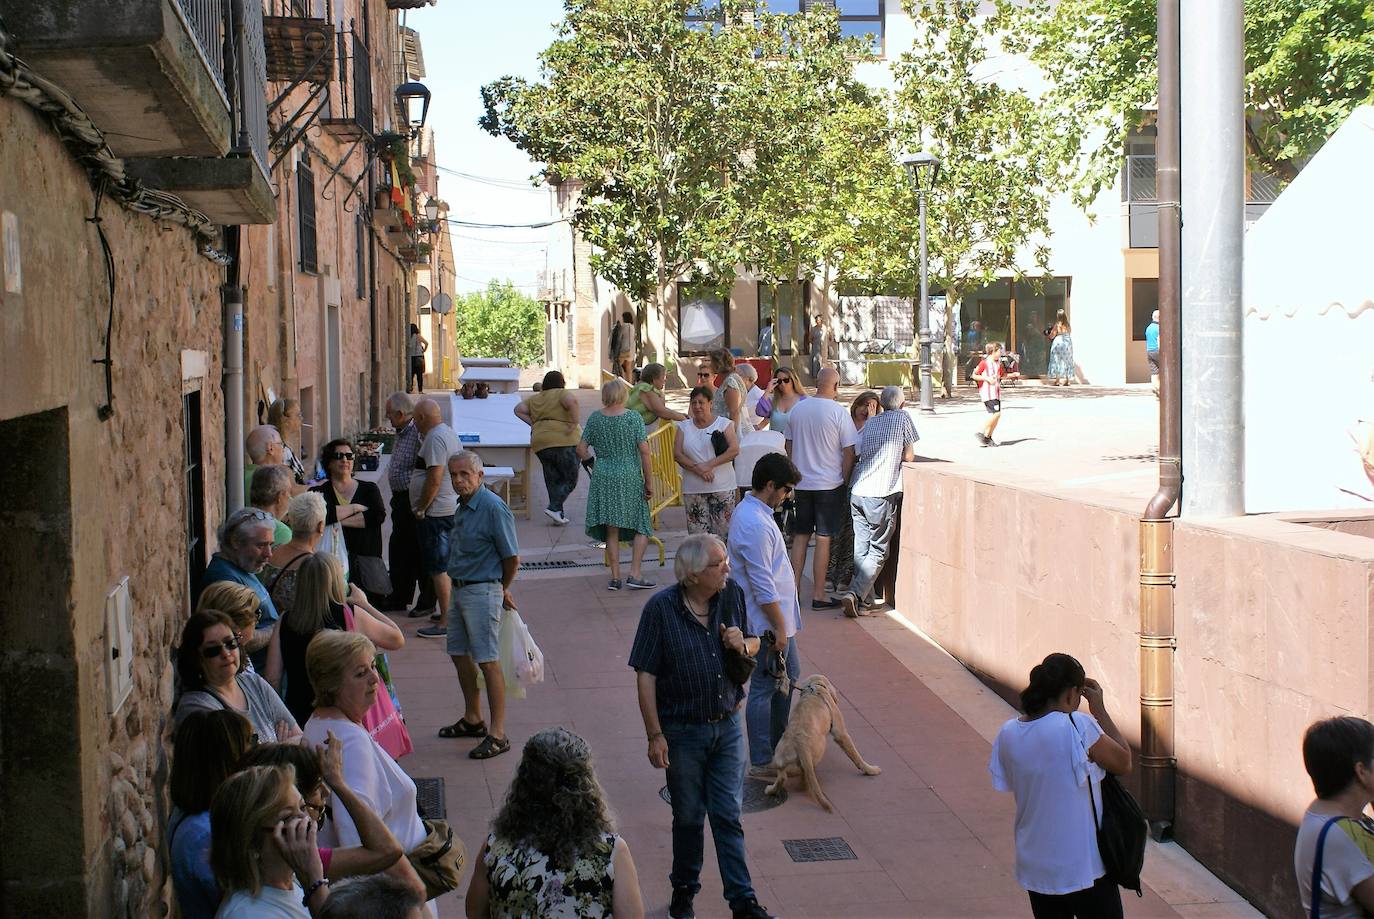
(929,836)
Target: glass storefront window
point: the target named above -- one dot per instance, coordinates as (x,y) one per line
(702,320)
(1016,314)
(785,304)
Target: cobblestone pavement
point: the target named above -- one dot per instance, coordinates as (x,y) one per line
(928,835)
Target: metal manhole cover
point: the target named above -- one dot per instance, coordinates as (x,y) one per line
(820,849)
(429,799)
(755,798)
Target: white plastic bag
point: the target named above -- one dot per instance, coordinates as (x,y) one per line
(529,660)
(333,543)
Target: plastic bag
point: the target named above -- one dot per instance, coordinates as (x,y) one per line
(528,659)
(333,542)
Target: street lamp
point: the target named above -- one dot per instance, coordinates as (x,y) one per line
(413,100)
(432,209)
(921,164)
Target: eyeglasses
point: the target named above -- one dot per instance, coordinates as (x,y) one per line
(244,516)
(210,652)
(341,456)
(703,374)
(778,381)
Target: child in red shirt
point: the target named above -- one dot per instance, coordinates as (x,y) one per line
(988,375)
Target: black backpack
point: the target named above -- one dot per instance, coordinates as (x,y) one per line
(1120,833)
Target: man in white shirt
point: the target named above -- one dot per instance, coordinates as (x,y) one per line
(875,496)
(434,502)
(820,440)
(759,562)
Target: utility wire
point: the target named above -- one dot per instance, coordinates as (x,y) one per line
(453,221)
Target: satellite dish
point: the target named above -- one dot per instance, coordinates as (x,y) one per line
(443,303)
(421,295)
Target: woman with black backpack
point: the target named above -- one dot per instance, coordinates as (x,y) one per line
(1054,759)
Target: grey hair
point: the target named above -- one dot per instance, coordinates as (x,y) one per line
(267,485)
(373,896)
(747,372)
(258,439)
(305,513)
(231,531)
(891,398)
(694,555)
(401,402)
(466,458)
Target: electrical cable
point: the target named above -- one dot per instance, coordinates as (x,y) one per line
(454,221)
(511,184)
(106,411)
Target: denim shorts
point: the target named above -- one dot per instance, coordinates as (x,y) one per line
(821,512)
(433,534)
(474,622)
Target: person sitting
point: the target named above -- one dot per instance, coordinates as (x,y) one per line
(263,847)
(270,490)
(553,850)
(376,896)
(318,774)
(646,397)
(305,515)
(1338,754)
(212,677)
(318,605)
(206,747)
(240,604)
(340,666)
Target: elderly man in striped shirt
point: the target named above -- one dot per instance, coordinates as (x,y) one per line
(404,547)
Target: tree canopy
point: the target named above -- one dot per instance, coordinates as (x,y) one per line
(500,322)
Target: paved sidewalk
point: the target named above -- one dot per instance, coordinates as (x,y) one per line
(930,836)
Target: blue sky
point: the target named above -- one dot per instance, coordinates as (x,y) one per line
(468,43)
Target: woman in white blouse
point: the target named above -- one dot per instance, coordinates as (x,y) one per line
(1052,758)
(346,684)
(708,477)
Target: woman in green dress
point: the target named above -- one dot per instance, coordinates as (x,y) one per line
(621,483)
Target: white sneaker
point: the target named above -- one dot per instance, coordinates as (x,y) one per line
(563,519)
(553,515)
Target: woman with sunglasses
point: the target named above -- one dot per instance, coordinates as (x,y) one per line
(213,677)
(357,505)
(320,775)
(787,392)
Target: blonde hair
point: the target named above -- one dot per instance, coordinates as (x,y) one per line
(614,392)
(276,414)
(319,582)
(246,802)
(329,655)
(305,513)
(236,601)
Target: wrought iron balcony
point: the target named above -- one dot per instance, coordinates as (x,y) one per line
(176,86)
(351,106)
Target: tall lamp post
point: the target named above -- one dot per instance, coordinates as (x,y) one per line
(925,169)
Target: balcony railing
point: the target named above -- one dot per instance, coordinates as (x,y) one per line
(206,21)
(352,105)
(1142,203)
(250,66)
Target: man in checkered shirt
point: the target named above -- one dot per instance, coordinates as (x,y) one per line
(886,441)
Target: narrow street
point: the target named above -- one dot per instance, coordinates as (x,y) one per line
(929,836)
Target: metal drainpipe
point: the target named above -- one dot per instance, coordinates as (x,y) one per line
(1157,579)
(375,367)
(233,376)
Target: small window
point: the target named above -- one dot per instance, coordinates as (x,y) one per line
(703,319)
(305,207)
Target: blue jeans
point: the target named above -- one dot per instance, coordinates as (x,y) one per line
(767,710)
(706,779)
(875,522)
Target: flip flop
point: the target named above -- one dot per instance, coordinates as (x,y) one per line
(461,728)
(489,747)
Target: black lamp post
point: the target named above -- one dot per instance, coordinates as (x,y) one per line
(921,164)
(411,96)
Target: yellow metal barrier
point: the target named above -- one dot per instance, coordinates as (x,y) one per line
(607,376)
(666,481)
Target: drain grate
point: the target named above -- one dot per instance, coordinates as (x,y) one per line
(555,563)
(429,799)
(820,849)
(754,799)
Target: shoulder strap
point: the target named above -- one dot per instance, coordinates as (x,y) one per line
(284,568)
(1091,800)
(1316,894)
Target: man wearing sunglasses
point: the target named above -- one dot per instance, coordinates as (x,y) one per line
(245,544)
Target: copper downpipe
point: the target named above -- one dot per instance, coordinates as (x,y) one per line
(1157,579)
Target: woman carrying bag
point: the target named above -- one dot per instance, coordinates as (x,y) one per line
(358,508)
(1054,759)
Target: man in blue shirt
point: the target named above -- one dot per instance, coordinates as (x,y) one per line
(690,707)
(245,545)
(483,558)
(759,558)
(1152,349)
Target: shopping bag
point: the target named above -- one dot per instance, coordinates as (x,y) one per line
(333,542)
(383,719)
(509,630)
(528,659)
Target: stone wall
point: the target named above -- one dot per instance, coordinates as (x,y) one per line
(1274,621)
(84,503)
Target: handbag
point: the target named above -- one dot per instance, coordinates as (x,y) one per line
(383,718)
(438,859)
(719,443)
(369,573)
(1121,831)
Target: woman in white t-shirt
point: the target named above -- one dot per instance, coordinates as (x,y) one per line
(708,479)
(1338,754)
(1052,758)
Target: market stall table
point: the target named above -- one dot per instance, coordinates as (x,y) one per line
(489,428)
(502,380)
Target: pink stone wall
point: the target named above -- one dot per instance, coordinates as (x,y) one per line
(1273,620)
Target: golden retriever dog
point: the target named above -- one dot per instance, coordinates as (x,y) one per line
(815,714)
